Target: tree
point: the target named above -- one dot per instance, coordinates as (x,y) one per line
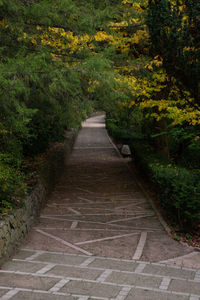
(47,69)
(174,31)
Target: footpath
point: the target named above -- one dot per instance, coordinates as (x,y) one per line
(99,238)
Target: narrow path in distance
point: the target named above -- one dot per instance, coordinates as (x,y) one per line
(99,238)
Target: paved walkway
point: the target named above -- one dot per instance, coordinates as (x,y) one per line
(99,238)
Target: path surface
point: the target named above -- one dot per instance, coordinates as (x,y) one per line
(99,238)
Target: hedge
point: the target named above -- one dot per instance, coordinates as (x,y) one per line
(178,188)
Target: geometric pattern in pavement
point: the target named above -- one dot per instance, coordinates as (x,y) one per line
(98,236)
(48,275)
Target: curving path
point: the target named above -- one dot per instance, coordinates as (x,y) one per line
(99,238)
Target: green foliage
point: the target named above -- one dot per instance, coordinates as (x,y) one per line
(120,134)
(174,32)
(50,79)
(179,191)
(184,143)
(40,95)
(178,188)
(12,186)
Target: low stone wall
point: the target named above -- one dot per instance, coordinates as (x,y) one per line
(14,228)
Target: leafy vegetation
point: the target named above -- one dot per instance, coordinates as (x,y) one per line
(160,110)
(47,69)
(136,59)
(178,188)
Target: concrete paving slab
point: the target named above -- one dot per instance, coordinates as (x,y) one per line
(114,264)
(119,248)
(83,273)
(3,292)
(161,245)
(171,272)
(23,266)
(27,281)
(40,296)
(61,259)
(91,289)
(190,287)
(45,243)
(191,260)
(23,254)
(134,279)
(144,294)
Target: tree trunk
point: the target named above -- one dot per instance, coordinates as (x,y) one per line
(161,141)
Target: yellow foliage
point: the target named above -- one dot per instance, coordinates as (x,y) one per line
(101,36)
(3,23)
(92,85)
(147,94)
(155,62)
(131,103)
(63,40)
(140,35)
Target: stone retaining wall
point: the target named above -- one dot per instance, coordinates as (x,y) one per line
(14,228)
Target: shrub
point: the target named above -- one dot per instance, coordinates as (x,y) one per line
(184,143)
(120,134)
(178,188)
(179,192)
(12,186)
(191,155)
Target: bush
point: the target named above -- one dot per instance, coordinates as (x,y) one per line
(179,192)
(191,155)
(178,188)
(120,134)
(184,144)
(12,186)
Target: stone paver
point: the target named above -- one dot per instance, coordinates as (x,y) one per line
(83,277)
(41,296)
(171,271)
(25,267)
(3,292)
(99,238)
(134,279)
(114,264)
(95,289)
(143,294)
(27,280)
(75,272)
